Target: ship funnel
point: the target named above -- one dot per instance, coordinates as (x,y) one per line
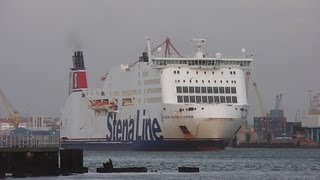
(78,76)
(78,62)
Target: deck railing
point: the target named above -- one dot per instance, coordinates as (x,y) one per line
(27,141)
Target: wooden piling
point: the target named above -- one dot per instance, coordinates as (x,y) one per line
(71,161)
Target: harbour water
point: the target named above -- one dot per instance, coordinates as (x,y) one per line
(227,164)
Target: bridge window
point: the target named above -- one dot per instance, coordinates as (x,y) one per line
(185,89)
(186,99)
(234,99)
(233,90)
(222,99)
(204,99)
(228,90)
(198,99)
(197,89)
(215,90)
(228,98)
(192,99)
(203,90)
(216,99)
(179,89)
(191,89)
(210,99)
(221,89)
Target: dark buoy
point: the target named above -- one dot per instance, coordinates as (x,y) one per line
(108,168)
(108,165)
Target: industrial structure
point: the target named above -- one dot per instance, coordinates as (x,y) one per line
(272,129)
(272,126)
(269,129)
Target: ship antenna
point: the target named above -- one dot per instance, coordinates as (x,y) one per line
(149,49)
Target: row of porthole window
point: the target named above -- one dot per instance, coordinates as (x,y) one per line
(204,89)
(205,72)
(215,81)
(207,99)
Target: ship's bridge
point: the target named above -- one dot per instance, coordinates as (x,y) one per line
(204,63)
(198,61)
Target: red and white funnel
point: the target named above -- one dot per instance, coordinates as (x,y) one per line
(78,76)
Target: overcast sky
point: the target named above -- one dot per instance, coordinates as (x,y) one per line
(37,39)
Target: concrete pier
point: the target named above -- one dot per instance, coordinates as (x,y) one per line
(25,152)
(23,162)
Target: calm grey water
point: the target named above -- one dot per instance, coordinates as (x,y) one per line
(228,164)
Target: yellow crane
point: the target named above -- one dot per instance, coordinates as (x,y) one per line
(12,113)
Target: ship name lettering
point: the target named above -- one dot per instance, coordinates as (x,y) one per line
(129,130)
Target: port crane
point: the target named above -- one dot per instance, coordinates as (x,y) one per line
(261,105)
(278,102)
(13,114)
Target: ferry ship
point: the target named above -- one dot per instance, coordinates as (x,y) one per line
(162,102)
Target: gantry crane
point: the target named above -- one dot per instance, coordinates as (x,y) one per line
(278,102)
(261,105)
(12,113)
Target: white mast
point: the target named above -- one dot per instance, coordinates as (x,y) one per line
(149,50)
(199,52)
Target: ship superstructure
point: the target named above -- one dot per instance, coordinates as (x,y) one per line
(159,103)
(311,120)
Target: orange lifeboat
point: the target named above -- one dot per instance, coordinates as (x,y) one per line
(100,105)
